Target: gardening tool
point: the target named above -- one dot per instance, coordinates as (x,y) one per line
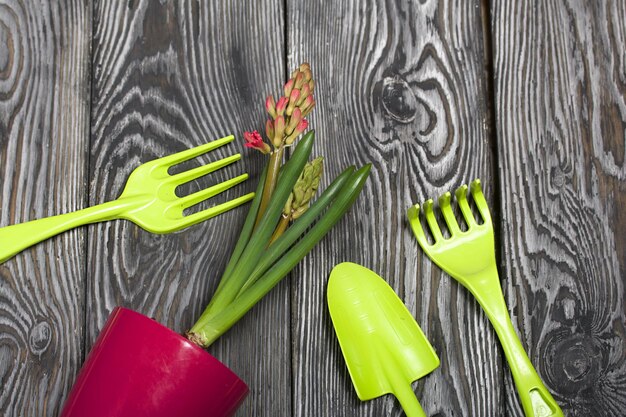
(383,346)
(469,257)
(149,200)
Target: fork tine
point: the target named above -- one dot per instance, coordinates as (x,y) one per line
(200,171)
(199,196)
(188,154)
(414,220)
(432,221)
(479,199)
(461,198)
(448,214)
(203,215)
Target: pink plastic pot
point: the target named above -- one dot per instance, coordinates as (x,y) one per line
(138,367)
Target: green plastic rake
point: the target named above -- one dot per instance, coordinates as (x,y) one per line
(469,257)
(149,200)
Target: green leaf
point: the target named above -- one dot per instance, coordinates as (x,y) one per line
(260,238)
(215,326)
(246,231)
(287,239)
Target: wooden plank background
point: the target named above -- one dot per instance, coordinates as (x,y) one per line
(561,123)
(529,97)
(413,102)
(44,143)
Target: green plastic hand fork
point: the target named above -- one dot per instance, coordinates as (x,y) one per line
(469,257)
(149,200)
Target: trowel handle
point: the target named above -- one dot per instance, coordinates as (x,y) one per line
(405,395)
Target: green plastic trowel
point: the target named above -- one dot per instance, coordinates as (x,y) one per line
(383,346)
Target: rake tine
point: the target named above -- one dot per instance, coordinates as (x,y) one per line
(448,214)
(432,221)
(200,171)
(199,196)
(212,212)
(414,220)
(188,154)
(479,199)
(461,198)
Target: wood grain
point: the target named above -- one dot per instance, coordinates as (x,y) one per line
(90,91)
(44,137)
(168,76)
(401,85)
(560,84)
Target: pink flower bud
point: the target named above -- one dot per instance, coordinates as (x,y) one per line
(293,99)
(281,105)
(254,141)
(288,87)
(307,102)
(297,131)
(296,116)
(270,106)
(294,96)
(304,123)
(279,131)
(269,129)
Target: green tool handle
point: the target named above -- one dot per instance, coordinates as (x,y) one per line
(405,395)
(535,398)
(16,238)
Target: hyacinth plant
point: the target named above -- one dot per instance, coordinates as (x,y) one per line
(284,222)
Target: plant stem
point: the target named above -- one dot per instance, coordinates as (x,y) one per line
(260,237)
(273,169)
(280,229)
(285,241)
(217,325)
(244,235)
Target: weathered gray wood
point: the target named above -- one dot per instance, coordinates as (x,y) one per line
(44,137)
(401,85)
(560,77)
(168,76)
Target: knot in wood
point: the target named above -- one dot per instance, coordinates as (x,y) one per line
(398,99)
(6,50)
(39,337)
(577,363)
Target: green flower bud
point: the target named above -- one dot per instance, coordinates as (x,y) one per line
(299,80)
(287,209)
(304,189)
(307,106)
(305,92)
